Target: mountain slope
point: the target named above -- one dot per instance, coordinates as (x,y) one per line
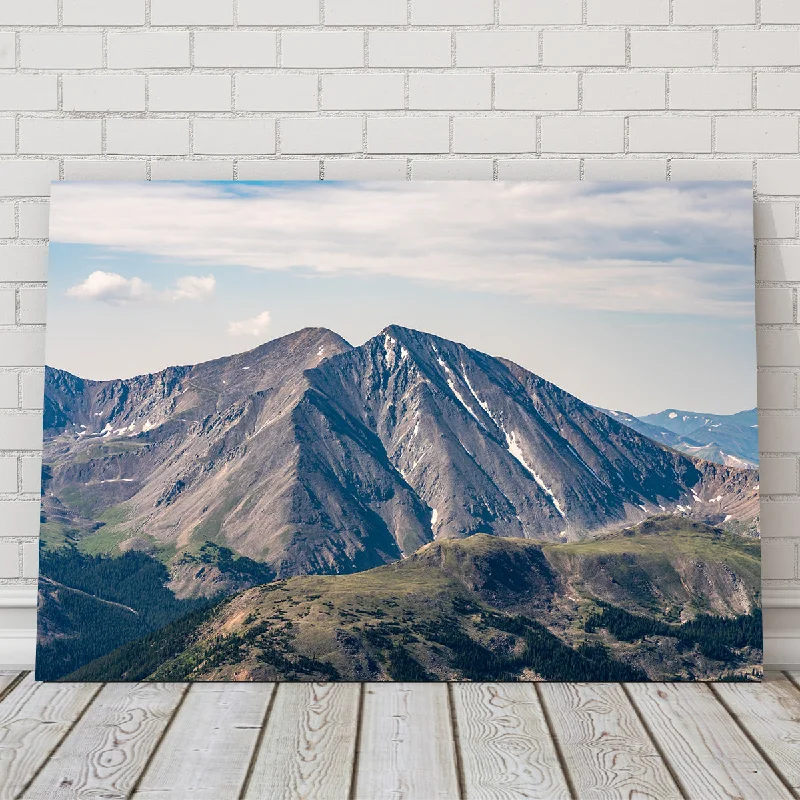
(317,457)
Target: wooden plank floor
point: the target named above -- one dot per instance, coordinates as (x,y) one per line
(395,741)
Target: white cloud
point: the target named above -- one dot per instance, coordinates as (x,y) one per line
(653,248)
(109,287)
(194,287)
(255,326)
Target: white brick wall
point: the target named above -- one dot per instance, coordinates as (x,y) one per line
(397,90)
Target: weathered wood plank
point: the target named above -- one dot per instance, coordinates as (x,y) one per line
(505,745)
(605,748)
(309,743)
(7,679)
(406,748)
(207,751)
(770,713)
(707,751)
(34,718)
(106,752)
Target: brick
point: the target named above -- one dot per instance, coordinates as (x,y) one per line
(9,560)
(365,12)
(632,91)
(325,135)
(316,49)
(155,49)
(27,178)
(699,91)
(536,91)
(714,12)
(235,49)
(778,434)
(8,48)
(778,90)
(8,228)
(8,306)
(759,48)
(776,390)
(780,519)
(8,474)
(8,136)
(539,169)
(234,136)
(435,91)
(497,48)
(30,559)
(759,134)
(19,517)
(28,92)
(174,170)
(104,12)
(779,561)
(777,262)
(74,136)
(61,50)
(778,348)
(778,176)
(32,307)
(31,474)
(104,170)
(34,220)
(158,137)
(191,12)
(103,92)
(306,169)
(783,12)
(9,390)
(582,134)
(627,12)
(494,135)
(21,431)
(671,49)
(452,169)
(409,49)
(540,12)
(23,263)
(33,382)
(365,169)
(277,92)
(704,169)
(584,48)
(31,12)
(778,475)
(408,135)
(278,12)
(452,12)
(368,92)
(669,134)
(774,306)
(190,93)
(774,220)
(618,169)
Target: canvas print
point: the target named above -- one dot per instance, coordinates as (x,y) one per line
(400,431)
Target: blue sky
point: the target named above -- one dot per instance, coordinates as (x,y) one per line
(631,296)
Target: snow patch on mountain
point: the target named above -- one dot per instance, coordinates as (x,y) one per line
(514,449)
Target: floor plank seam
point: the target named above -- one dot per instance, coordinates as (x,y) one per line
(654,740)
(37,772)
(792,680)
(172,718)
(562,762)
(13,685)
(259,739)
(459,763)
(753,741)
(351,795)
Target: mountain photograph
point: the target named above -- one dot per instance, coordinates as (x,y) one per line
(417,487)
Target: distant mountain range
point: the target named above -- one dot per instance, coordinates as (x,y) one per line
(313,456)
(730,439)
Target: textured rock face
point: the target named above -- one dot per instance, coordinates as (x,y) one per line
(318,457)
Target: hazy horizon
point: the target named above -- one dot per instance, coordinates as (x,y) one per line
(634,297)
